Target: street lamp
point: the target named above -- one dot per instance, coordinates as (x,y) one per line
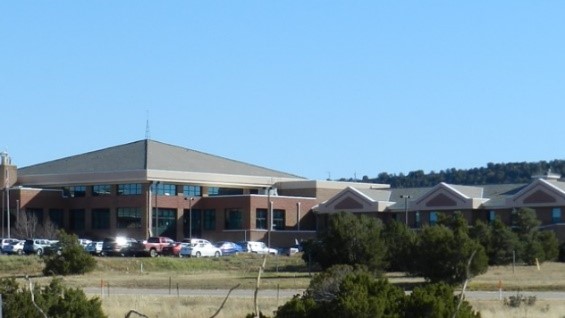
(190,216)
(405,197)
(269,216)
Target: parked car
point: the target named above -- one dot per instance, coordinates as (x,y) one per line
(172,249)
(199,249)
(122,246)
(5,242)
(257,247)
(229,248)
(84,242)
(15,248)
(54,248)
(94,248)
(36,246)
(155,244)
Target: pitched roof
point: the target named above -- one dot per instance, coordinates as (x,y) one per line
(149,155)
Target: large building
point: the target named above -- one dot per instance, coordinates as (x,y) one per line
(147,188)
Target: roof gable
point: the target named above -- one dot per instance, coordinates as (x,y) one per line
(444,195)
(541,192)
(351,199)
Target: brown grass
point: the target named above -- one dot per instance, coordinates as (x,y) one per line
(549,276)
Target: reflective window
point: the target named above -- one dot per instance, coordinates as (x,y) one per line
(164,189)
(129,189)
(191,191)
(261,219)
(101,189)
(433,218)
(491,216)
(278,219)
(556,215)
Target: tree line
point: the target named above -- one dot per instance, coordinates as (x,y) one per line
(493,173)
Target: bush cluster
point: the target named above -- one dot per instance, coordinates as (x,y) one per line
(53,300)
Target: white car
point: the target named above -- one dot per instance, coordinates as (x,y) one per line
(5,242)
(15,248)
(200,249)
(257,247)
(94,248)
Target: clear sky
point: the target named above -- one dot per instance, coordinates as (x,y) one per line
(315,88)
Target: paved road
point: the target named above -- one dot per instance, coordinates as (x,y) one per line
(273,293)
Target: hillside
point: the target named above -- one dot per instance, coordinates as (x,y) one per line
(493,173)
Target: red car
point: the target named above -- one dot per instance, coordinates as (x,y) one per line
(174,248)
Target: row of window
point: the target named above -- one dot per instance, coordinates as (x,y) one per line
(131,218)
(433,216)
(159,188)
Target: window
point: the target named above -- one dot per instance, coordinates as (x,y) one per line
(278,219)
(76,220)
(234,219)
(101,189)
(417,220)
(261,219)
(491,216)
(210,219)
(129,189)
(128,218)
(556,215)
(433,217)
(213,191)
(162,189)
(191,191)
(75,191)
(164,222)
(100,219)
(56,217)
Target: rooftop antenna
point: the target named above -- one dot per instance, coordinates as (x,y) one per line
(147,131)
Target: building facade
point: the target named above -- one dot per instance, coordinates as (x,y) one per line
(148,188)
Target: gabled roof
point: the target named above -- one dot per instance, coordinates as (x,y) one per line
(148,160)
(352,199)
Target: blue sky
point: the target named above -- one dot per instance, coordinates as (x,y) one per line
(315,88)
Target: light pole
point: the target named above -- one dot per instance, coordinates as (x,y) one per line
(405,197)
(269,220)
(190,216)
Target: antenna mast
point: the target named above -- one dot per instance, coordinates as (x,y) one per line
(147,131)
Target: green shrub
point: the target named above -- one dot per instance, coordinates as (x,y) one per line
(54,300)
(71,259)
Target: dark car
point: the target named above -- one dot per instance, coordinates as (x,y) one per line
(122,246)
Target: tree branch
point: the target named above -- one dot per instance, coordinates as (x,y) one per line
(224,302)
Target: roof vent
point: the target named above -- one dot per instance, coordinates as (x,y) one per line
(548,175)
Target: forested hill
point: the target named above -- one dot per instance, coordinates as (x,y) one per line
(493,173)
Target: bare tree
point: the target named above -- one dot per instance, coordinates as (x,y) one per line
(28,226)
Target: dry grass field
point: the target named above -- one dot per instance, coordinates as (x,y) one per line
(281,272)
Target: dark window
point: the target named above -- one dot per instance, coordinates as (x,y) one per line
(234,219)
(100,219)
(57,217)
(129,189)
(210,219)
(101,189)
(128,218)
(261,219)
(191,191)
(76,220)
(164,222)
(278,219)
(491,216)
(34,213)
